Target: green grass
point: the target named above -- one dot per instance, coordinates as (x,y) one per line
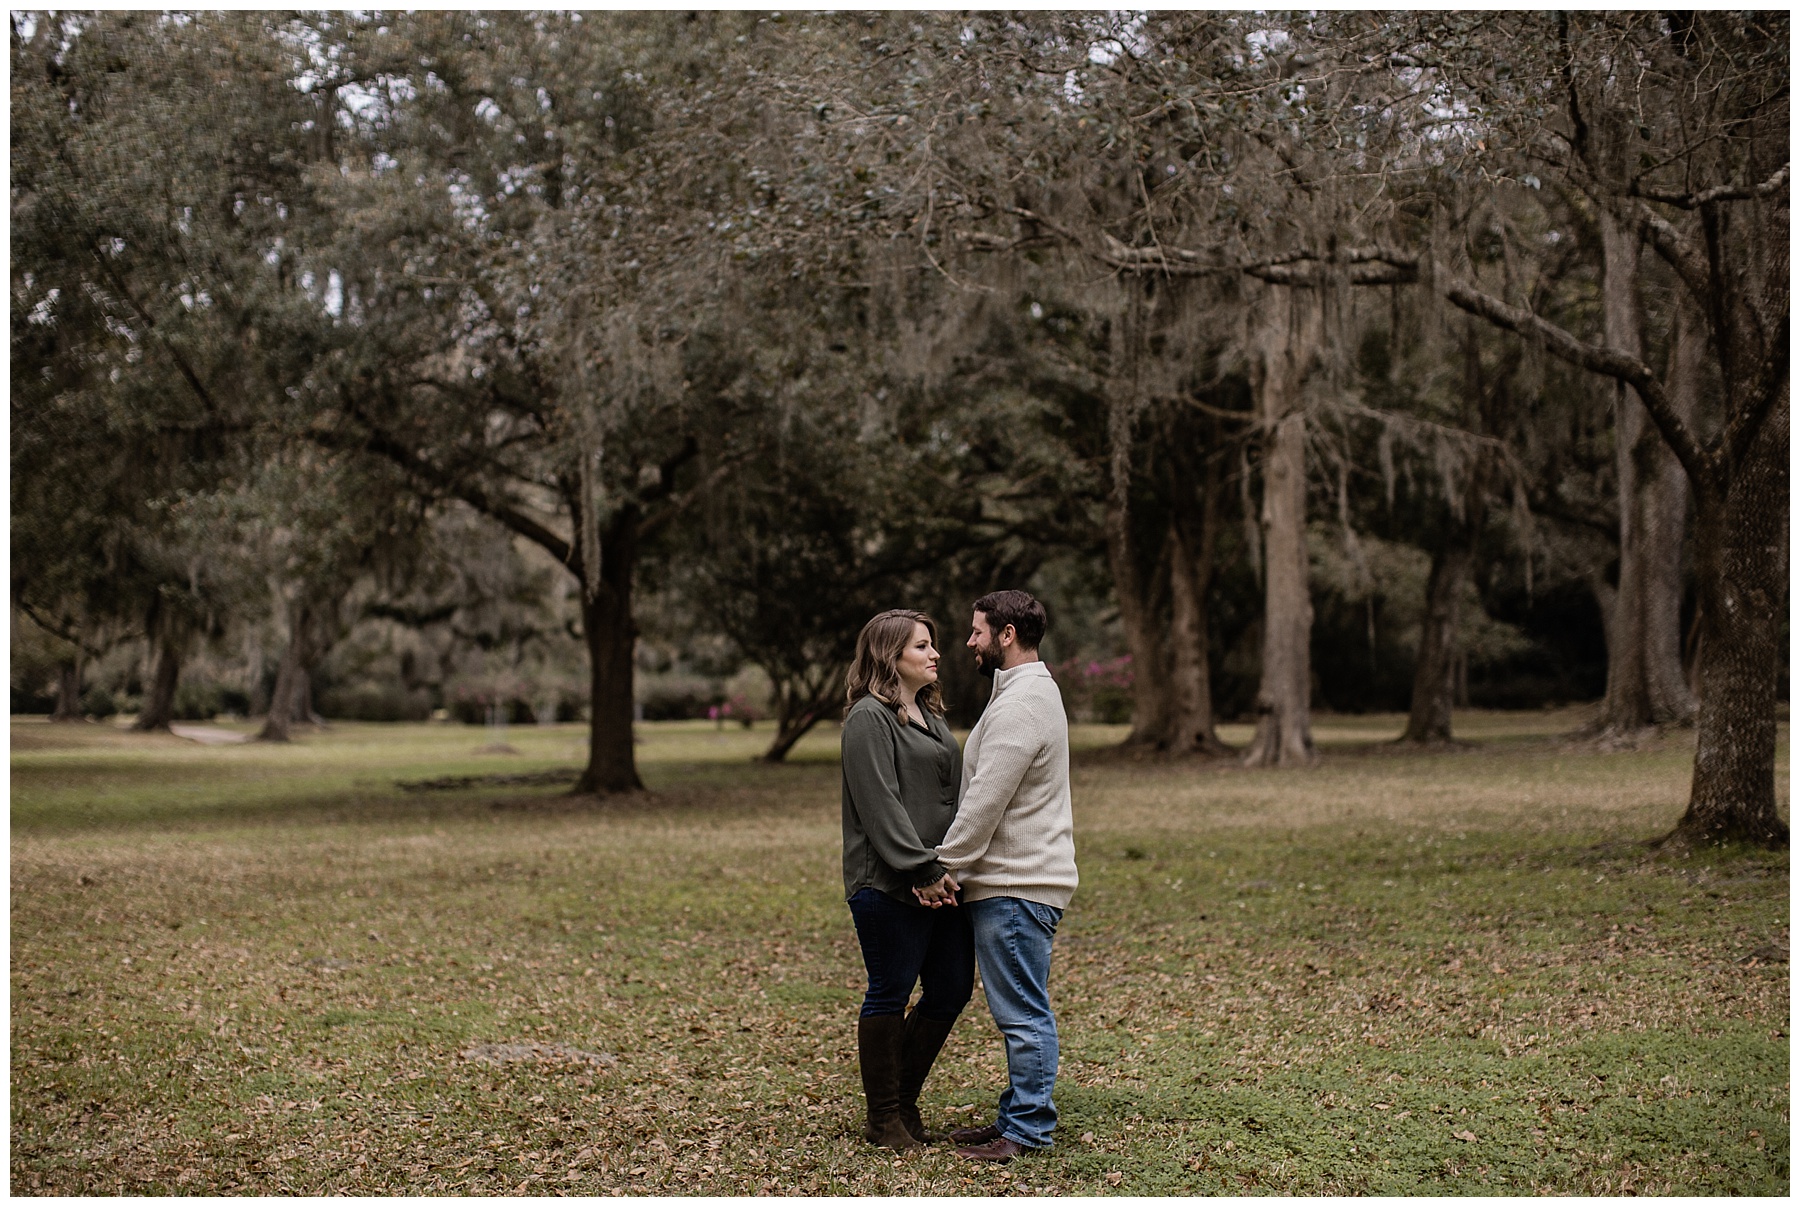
(253,969)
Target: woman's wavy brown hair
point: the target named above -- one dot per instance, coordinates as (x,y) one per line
(875,671)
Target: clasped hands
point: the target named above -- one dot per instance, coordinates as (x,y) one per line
(940,894)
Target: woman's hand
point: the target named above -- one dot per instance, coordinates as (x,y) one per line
(940,894)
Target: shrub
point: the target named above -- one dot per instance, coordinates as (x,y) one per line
(26,702)
(469,703)
(376,702)
(475,712)
(98,703)
(197,702)
(675,702)
(740,709)
(1097,690)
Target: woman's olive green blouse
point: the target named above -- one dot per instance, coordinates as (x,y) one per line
(900,786)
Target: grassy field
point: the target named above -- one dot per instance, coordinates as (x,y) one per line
(248,969)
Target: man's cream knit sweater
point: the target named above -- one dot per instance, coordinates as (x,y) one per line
(1014,833)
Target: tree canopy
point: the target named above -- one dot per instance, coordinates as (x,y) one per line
(1385,361)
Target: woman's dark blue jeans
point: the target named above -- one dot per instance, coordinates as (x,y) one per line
(904,945)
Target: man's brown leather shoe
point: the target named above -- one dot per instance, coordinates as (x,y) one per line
(967,1137)
(999,1151)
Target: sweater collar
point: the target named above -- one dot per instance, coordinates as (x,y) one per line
(1025,670)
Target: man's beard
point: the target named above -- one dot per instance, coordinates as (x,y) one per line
(988,659)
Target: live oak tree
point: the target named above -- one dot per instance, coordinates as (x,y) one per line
(1193,154)
(523,264)
(539,228)
(323,534)
(887,450)
(1006,159)
(802,549)
(1445,405)
(1722,84)
(1707,190)
(147,189)
(1235,129)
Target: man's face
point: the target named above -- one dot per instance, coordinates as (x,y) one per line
(986,644)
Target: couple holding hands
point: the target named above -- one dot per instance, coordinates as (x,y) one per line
(953,856)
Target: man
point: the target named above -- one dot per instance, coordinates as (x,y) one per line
(1011,853)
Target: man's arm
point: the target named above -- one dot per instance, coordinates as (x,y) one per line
(1007,750)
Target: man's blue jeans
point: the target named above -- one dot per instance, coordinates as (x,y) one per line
(1012,945)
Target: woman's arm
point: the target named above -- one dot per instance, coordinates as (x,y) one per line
(874,782)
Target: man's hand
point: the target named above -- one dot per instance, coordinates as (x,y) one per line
(940,894)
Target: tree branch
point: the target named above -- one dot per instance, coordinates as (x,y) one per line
(1673,246)
(1699,464)
(380,443)
(412,618)
(1723,192)
(678,504)
(149,321)
(69,635)
(1742,428)
(1312,273)
(1369,265)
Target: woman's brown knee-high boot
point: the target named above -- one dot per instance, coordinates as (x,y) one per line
(920,1044)
(878,1042)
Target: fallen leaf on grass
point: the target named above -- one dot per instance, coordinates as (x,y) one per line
(503,1054)
(1114,1178)
(1465,1136)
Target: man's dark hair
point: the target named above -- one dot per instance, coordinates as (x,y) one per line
(1021,610)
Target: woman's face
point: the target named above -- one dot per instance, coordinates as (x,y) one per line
(919,660)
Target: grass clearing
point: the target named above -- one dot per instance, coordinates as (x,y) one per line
(249,969)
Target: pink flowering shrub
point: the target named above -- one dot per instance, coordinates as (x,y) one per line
(1096,689)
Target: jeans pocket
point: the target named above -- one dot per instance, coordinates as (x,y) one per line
(1046,916)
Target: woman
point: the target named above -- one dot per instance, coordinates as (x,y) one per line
(902,771)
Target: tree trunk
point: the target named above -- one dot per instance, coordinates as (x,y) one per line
(68,691)
(1666,499)
(611,634)
(1289,335)
(1690,654)
(304,711)
(1138,613)
(1742,567)
(1143,637)
(796,714)
(1735,269)
(1644,685)
(1440,676)
(1190,716)
(289,675)
(787,734)
(1434,675)
(159,703)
